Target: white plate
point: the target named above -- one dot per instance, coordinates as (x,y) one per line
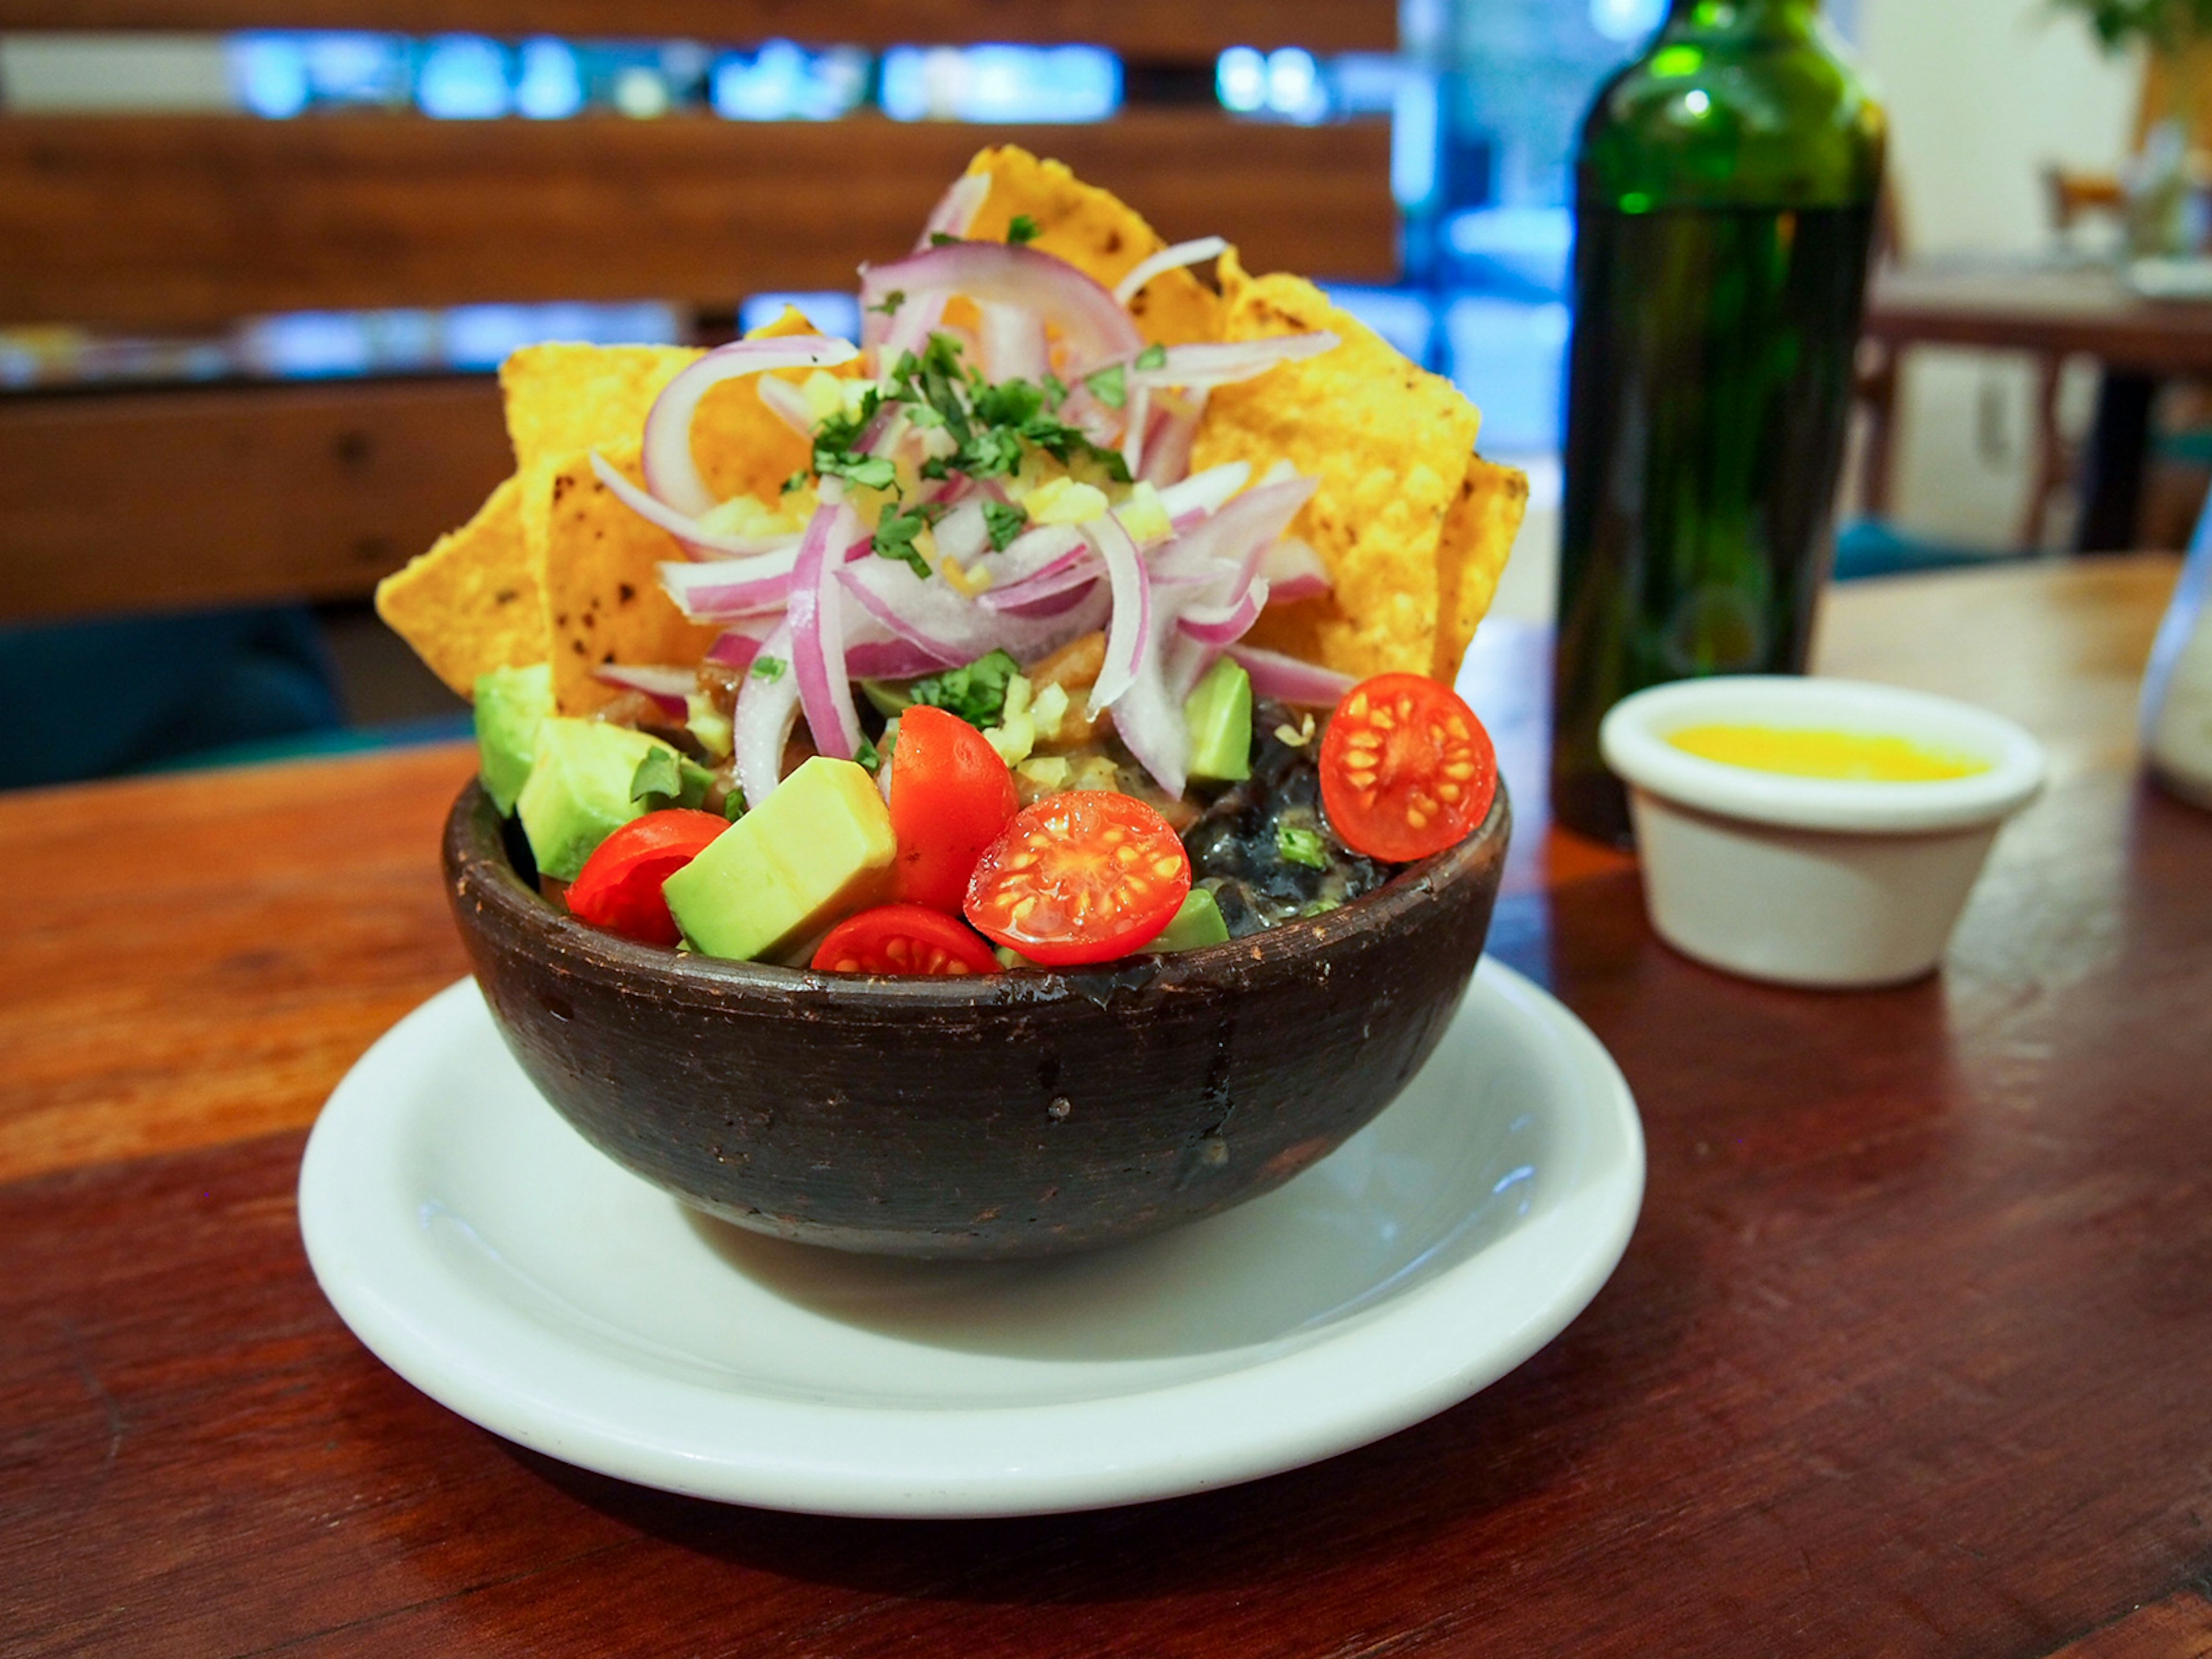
(487,1254)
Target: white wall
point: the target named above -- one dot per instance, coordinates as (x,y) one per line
(1983,94)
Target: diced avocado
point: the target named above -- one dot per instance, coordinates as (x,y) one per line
(1219,716)
(708,725)
(1010,958)
(819,849)
(1198,923)
(579,790)
(510,704)
(888,697)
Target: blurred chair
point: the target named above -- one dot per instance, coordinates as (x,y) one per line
(251,492)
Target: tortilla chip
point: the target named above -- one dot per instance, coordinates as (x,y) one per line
(1391,445)
(600,566)
(1471,557)
(472,602)
(1098,233)
(743,447)
(563,397)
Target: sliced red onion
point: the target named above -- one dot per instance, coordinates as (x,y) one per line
(1013,345)
(729,588)
(685,528)
(1207,365)
(788,405)
(768,706)
(964,532)
(1055,604)
(955,210)
(891,659)
(1220,625)
(1136,429)
(1168,259)
(929,614)
(1231,542)
(735,649)
(1129,635)
(1036,551)
(817,635)
(1174,431)
(672,473)
(1294,571)
(1094,325)
(671,689)
(1149,714)
(1063,575)
(1287,679)
(1206,492)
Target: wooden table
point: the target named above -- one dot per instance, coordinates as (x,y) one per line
(2057,313)
(1911,1352)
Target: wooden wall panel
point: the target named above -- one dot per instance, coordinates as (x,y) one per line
(174,221)
(1153,29)
(140,501)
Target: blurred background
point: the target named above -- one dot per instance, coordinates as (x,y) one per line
(259,258)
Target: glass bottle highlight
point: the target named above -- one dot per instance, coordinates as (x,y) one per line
(1726,197)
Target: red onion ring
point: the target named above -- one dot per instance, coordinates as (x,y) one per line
(672,473)
(1207,364)
(683,528)
(1205,493)
(1289,679)
(730,588)
(817,635)
(1094,325)
(1129,635)
(1168,259)
(734,649)
(1294,571)
(788,405)
(671,689)
(1167,445)
(1224,625)
(761,727)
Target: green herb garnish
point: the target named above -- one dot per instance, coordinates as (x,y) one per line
(895,534)
(658,773)
(1154,356)
(1110,385)
(768,668)
(977,693)
(1297,846)
(892,301)
(1006,520)
(941,239)
(1023,229)
(868,758)
(797,480)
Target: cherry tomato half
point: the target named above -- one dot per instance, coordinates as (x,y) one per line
(619,887)
(1084,877)
(950,796)
(1406,770)
(904,939)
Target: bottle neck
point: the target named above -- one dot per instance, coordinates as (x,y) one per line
(1744,19)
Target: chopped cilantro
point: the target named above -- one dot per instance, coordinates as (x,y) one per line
(1006,520)
(1154,356)
(1023,229)
(868,756)
(940,239)
(658,773)
(895,534)
(1056,391)
(977,693)
(869,471)
(1110,385)
(892,301)
(1297,846)
(733,803)
(768,668)
(797,480)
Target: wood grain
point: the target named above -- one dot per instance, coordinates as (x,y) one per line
(168,221)
(235,494)
(1142,29)
(1908,1355)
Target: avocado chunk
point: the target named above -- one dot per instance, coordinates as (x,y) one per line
(579,790)
(819,849)
(1198,923)
(1219,716)
(510,704)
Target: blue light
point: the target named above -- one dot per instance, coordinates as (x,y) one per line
(1414,132)
(463,77)
(1240,80)
(270,72)
(307,344)
(1294,86)
(832,312)
(1408,320)
(550,87)
(771,87)
(1626,20)
(994,83)
(355,69)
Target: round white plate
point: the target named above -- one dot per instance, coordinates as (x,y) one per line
(486,1252)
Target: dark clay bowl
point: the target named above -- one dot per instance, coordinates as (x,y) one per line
(1029,1113)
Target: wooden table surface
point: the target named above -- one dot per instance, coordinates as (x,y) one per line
(2085,309)
(1911,1354)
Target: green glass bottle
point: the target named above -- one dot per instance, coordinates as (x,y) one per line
(1725,206)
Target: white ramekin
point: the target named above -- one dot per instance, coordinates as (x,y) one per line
(1812,881)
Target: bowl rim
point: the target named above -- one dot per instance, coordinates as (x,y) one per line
(1633,742)
(478,870)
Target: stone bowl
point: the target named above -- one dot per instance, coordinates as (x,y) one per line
(1029,1113)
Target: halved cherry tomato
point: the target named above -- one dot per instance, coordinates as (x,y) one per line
(1406,770)
(951,795)
(619,887)
(904,939)
(1084,877)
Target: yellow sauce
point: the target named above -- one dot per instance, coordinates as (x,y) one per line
(1859,757)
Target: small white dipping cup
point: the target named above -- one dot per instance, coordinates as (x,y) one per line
(1819,882)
